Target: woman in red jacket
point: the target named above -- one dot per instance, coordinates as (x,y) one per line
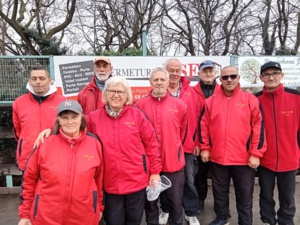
(130,151)
(63,178)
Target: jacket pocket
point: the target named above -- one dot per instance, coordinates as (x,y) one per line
(20,147)
(95,200)
(36,205)
(144,163)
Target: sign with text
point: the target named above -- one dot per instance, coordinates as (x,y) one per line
(249,68)
(72,73)
(75,76)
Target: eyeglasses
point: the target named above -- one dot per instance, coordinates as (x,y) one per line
(268,75)
(113,92)
(232,77)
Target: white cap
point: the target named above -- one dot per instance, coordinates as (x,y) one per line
(156,187)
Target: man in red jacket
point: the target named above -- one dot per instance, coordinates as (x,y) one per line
(168,115)
(280,162)
(90,97)
(35,111)
(179,87)
(206,87)
(232,138)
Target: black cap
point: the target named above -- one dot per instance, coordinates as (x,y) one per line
(268,65)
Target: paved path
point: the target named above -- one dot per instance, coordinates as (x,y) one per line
(9,206)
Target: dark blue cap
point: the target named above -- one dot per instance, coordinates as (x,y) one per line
(268,65)
(207,63)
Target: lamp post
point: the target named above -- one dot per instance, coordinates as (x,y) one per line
(144,41)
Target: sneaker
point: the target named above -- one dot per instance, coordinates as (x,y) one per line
(163,218)
(219,221)
(192,220)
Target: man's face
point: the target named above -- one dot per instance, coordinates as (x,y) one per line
(207,75)
(40,82)
(229,79)
(174,69)
(102,70)
(271,78)
(159,82)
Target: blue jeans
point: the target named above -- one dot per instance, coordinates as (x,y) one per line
(190,196)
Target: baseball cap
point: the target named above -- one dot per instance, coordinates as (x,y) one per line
(268,65)
(156,187)
(207,63)
(70,105)
(102,58)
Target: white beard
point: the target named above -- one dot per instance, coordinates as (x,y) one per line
(102,76)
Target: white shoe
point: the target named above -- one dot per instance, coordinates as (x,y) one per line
(163,218)
(192,220)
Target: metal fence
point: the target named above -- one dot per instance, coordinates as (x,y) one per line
(14,74)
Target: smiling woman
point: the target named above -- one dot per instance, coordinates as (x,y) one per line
(65,160)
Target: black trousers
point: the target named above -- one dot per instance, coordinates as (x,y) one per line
(201,179)
(286,185)
(124,209)
(173,197)
(243,181)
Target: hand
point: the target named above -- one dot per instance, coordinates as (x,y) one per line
(100,216)
(154,177)
(196,151)
(40,138)
(253,162)
(205,155)
(25,222)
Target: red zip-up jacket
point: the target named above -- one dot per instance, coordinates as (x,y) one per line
(130,149)
(282,121)
(63,182)
(30,117)
(90,97)
(188,95)
(232,128)
(168,115)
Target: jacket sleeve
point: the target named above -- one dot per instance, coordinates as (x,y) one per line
(16,122)
(150,143)
(29,183)
(99,178)
(203,129)
(258,137)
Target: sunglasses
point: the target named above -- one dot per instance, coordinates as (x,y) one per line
(226,77)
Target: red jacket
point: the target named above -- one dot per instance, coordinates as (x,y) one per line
(90,97)
(130,149)
(200,98)
(232,128)
(30,118)
(188,95)
(63,182)
(282,122)
(169,118)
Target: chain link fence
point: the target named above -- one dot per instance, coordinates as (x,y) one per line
(14,74)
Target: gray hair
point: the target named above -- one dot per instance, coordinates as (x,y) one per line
(168,61)
(114,81)
(158,69)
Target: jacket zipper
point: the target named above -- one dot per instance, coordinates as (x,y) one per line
(276,131)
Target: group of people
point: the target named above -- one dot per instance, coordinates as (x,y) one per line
(106,149)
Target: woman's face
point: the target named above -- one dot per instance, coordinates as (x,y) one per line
(116,97)
(70,123)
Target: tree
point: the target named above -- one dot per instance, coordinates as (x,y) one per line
(36,24)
